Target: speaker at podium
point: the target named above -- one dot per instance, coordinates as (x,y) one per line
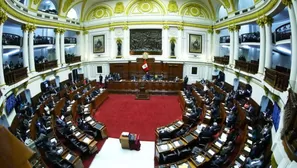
(142,93)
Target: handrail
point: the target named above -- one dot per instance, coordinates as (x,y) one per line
(246,66)
(15,75)
(11,39)
(46,65)
(250,37)
(221,60)
(72,59)
(225,39)
(283,32)
(43,40)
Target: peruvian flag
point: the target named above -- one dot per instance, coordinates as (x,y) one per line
(145,66)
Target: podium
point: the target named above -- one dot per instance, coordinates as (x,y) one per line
(142,93)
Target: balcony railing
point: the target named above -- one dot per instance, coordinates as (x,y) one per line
(70,40)
(11,39)
(246,66)
(277,80)
(16,75)
(283,32)
(250,37)
(39,40)
(46,65)
(225,39)
(72,59)
(222,60)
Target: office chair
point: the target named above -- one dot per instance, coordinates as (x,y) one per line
(170,157)
(182,153)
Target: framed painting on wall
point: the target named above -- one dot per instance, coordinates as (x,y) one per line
(195,43)
(98,44)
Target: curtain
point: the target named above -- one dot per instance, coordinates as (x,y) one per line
(264,103)
(276,115)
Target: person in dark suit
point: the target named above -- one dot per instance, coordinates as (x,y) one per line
(206,133)
(186,79)
(215,112)
(231,119)
(227,149)
(218,160)
(100,79)
(215,128)
(255,163)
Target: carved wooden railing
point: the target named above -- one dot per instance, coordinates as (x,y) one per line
(46,65)
(72,59)
(225,39)
(246,66)
(250,37)
(38,40)
(221,60)
(70,40)
(16,75)
(283,32)
(277,80)
(11,39)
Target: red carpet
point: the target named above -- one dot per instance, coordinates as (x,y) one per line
(123,113)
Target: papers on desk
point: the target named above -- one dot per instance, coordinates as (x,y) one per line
(68,156)
(237,165)
(207,116)
(62,117)
(249,142)
(200,159)
(28,131)
(53,140)
(48,128)
(184,165)
(77,134)
(87,140)
(242,158)
(250,128)
(248,118)
(171,128)
(176,143)
(69,122)
(223,137)
(247,149)
(72,128)
(250,135)
(208,111)
(211,152)
(164,147)
(86,109)
(87,105)
(92,122)
(227,129)
(88,118)
(180,123)
(125,133)
(218,144)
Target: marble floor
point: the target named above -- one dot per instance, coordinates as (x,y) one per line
(113,156)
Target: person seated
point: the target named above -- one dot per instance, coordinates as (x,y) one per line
(85,127)
(231,119)
(164,133)
(222,85)
(215,128)
(266,130)
(206,133)
(254,163)
(215,112)
(60,122)
(6,66)
(227,149)
(88,99)
(218,160)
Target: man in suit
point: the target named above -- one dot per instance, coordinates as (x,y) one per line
(206,133)
(227,149)
(218,160)
(100,79)
(255,163)
(215,128)
(231,119)
(186,79)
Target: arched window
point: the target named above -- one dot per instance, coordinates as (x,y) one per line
(48,6)
(72,14)
(222,12)
(243,4)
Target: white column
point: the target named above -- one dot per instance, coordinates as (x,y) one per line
(216,44)
(62,47)
(31,48)
(236,42)
(113,44)
(231,49)
(179,46)
(268,43)
(293,73)
(295,8)
(80,45)
(262,46)
(57,46)
(209,45)
(165,46)
(86,49)
(2,80)
(25,29)
(125,46)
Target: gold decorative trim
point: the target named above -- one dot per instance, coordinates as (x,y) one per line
(165,27)
(3,17)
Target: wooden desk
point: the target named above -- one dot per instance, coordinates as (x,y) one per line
(73,160)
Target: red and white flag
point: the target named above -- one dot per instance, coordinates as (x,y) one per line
(145,66)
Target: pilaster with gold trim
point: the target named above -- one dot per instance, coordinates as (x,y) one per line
(3,18)
(25,28)
(57,45)
(216,43)
(209,44)
(261,24)
(236,42)
(166,41)
(62,46)
(126,41)
(293,22)
(231,49)
(180,45)
(32,28)
(113,43)
(79,43)
(86,44)
(268,20)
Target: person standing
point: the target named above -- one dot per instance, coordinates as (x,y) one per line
(186,79)
(100,79)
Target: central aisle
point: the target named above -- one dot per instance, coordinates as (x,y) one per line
(113,156)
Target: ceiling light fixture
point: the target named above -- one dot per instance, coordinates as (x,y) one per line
(284,50)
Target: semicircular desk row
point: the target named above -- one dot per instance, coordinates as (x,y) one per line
(71,146)
(177,151)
